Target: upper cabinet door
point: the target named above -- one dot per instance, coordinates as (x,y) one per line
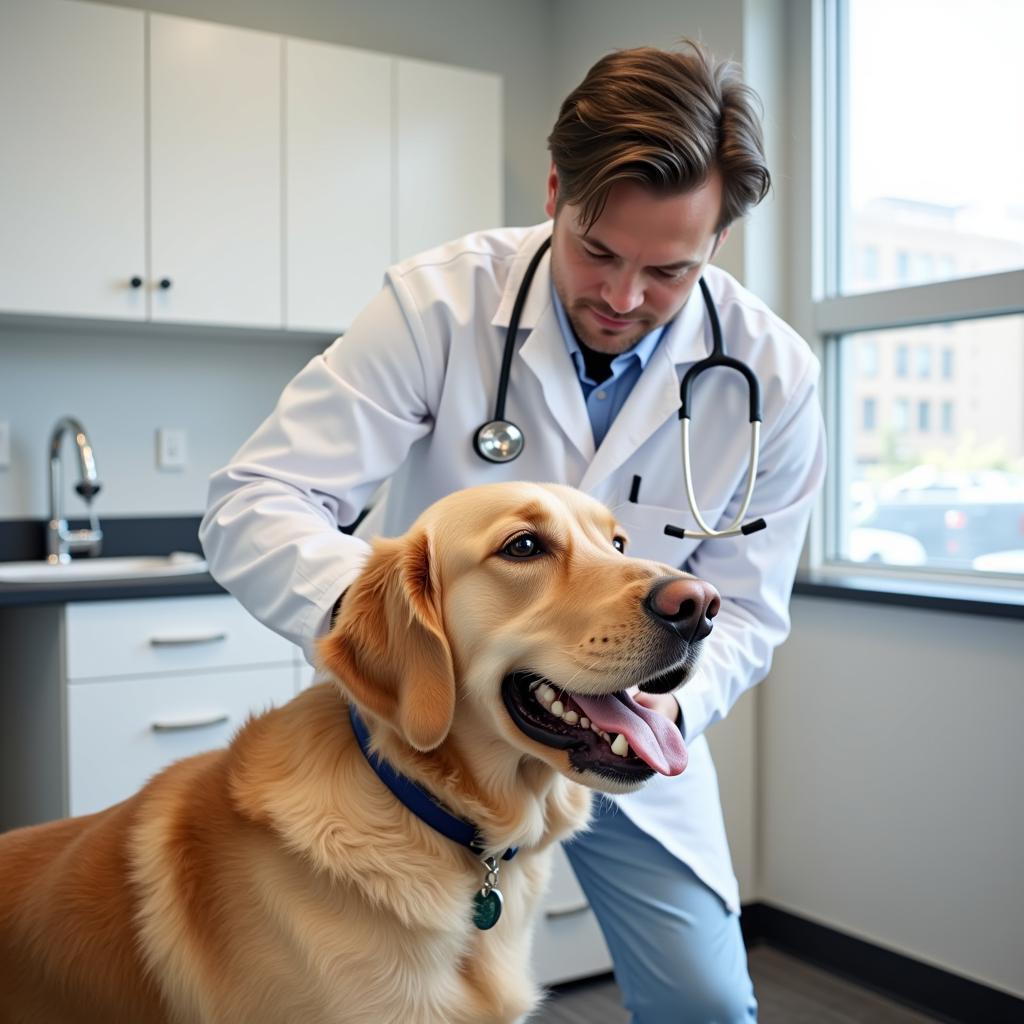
(72,167)
(338,171)
(215,173)
(450,166)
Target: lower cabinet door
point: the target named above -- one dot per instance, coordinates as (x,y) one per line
(568,943)
(122,732)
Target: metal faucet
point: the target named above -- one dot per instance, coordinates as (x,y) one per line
(60,541)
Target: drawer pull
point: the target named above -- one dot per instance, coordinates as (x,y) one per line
(568,910)
(186,641)
(175,725)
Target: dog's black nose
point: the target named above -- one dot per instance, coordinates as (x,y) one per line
(684,604)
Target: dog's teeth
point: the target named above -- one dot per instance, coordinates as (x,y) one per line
(584,722)
(557,708)
(620,746)
(571,718)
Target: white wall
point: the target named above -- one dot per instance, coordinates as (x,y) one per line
(891,765)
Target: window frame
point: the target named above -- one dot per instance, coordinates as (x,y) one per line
(818,88)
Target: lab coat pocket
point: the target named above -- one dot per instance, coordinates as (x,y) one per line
(646,524)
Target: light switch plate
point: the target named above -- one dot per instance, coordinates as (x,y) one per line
(171,449)
(5,444)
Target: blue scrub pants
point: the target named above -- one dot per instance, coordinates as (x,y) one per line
(678,951)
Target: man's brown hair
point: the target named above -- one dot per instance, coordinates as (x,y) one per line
(664,120)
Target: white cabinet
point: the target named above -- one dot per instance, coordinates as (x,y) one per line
(97,697)
(449,172)
(215,173)
(79,237)
(157,167)
(338,193)
(568,943)
(72,159)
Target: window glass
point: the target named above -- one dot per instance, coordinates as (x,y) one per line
(932,167)
(933,467)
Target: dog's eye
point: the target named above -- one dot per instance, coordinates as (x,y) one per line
(619,543)
(525,545)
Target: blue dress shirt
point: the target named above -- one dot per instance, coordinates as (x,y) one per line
(604,400)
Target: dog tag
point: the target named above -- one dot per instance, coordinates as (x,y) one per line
(487,903)
(487,908)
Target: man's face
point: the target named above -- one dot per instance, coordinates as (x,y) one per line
(636,266)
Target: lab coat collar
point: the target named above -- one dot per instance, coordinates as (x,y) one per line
(538,299)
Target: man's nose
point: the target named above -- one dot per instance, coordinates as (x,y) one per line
(684,604)
(623,291)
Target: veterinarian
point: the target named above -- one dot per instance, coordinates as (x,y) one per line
(654,156)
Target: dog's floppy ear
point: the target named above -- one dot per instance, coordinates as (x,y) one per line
(388,648)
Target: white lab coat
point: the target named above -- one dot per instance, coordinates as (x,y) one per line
(400,397)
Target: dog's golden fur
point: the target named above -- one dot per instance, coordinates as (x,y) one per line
(278,879)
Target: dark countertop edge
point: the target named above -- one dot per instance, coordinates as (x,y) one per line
(937,595)
(20,595)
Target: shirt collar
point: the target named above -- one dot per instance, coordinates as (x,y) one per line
(643,350)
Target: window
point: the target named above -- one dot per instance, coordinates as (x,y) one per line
(900,415)
(927,432)
(923,361)
(947,364)
(902,360)
(947,417)
(924,416)
(869,414)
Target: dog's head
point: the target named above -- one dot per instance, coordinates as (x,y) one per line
(511,615)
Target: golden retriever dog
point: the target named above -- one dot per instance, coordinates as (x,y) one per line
(488,653)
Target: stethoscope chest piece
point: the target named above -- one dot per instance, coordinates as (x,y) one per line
(498,441)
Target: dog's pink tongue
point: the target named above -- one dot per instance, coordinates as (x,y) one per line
(650,735)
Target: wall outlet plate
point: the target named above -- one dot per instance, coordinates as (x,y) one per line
(171,449)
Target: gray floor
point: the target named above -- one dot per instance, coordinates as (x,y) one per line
(789,991)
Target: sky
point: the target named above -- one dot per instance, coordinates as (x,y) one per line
(937,101)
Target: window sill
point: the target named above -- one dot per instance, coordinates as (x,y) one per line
(1005,602)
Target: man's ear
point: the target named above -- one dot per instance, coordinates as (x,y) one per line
(719,242)
(388,650)
(552,203)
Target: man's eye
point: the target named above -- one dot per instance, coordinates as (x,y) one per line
(596,255)
(619,543)
(526,545)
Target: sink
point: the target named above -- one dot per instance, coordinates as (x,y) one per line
(178,563)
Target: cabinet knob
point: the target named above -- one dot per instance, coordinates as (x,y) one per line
(165,283)
(136,282)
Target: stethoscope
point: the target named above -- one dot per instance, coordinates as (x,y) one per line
(500,440)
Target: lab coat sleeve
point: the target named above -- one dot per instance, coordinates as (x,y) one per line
(754,574)
(342,425)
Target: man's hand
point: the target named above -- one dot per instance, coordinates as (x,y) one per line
(662,702)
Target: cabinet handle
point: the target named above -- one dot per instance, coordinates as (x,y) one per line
(186,641)
(136,281)
(567,911)
(174,725)
(165,283)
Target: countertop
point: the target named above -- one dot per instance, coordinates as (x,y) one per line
(23,594)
